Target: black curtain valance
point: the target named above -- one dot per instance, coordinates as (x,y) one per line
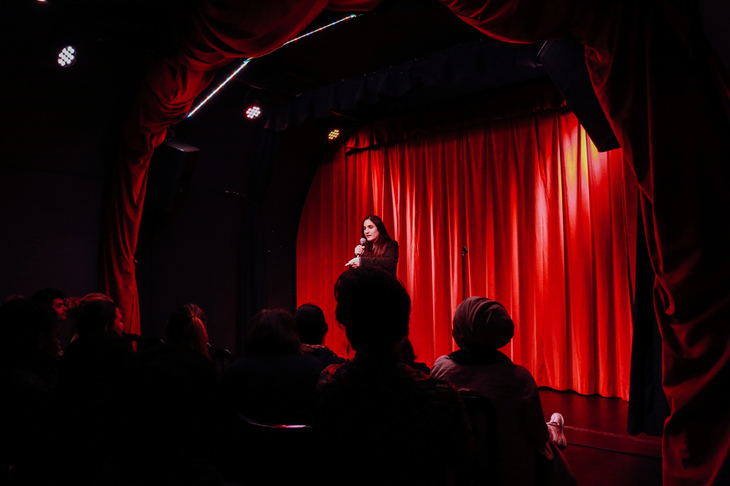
(455,72)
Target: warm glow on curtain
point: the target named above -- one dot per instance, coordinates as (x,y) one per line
(549,223)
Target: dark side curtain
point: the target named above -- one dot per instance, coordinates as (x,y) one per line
(253,271)
(550,226)
(648,407)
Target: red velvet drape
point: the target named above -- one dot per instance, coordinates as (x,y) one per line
(547,221)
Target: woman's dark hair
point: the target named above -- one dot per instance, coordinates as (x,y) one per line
(378,248)
(272,332)
(186,329)
(374,308)
(311,324)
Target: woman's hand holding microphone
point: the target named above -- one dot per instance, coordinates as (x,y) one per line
(359,250)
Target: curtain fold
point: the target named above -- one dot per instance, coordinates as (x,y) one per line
(543,215)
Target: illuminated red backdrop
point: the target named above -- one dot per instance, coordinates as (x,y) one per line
(550,225)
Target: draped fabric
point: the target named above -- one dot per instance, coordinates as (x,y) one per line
(547,220)
(222,31)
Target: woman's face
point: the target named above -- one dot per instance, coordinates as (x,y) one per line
(371,231)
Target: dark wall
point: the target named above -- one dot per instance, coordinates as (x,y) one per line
(230,247)
(49,225)
(295,164)
(193,252)
(58,134)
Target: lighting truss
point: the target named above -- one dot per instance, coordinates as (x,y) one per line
(246,61)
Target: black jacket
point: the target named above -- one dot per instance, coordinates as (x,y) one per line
(388,260)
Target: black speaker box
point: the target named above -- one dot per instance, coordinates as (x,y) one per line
(564,61)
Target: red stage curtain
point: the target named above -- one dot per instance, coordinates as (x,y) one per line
(547,220)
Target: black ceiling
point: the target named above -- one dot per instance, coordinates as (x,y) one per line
(367,43)
(397,34)
(116,39)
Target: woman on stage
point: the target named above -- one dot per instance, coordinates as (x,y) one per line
(379,248)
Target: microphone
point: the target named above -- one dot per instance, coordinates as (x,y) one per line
(362,243)
(464,251)
(357,257)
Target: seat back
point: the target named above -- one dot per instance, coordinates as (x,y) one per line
(143,344)
(484,467)
(221,357)
(267,425)
(267,453)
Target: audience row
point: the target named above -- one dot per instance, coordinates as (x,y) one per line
(84,407)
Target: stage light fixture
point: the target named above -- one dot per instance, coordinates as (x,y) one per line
(67,56)
(253,111)
(333,134)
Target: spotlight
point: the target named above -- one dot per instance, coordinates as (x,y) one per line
(333,134)
(256,106)
(253,111)
(67,56)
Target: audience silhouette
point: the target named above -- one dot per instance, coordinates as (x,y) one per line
(313,328)
(102,413)
(274,381)
(381,421)
(525,443)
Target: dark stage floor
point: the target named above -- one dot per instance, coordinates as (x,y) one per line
(600,451)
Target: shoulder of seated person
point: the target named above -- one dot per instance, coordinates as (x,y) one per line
(441,361)
(311,359)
